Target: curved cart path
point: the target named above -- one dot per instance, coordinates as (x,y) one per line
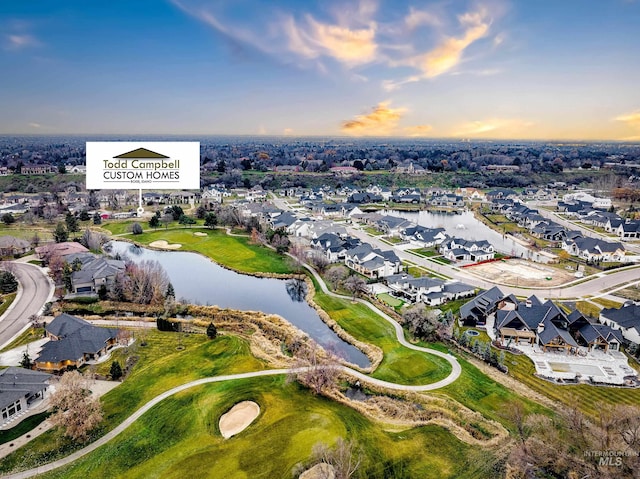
(456,370)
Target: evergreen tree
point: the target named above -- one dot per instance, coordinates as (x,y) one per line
(115,371)
(25,362)
(210,220)
(97,219)
(60,234)
(171,293)
(8,282)
(72,223)
(212,332)
(154,222)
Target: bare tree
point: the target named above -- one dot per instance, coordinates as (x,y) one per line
(335,275)
(146,283)
(92,240)
(319,262)
(75,409)
(424,322)
(355,284)
(345,457)
(319,373)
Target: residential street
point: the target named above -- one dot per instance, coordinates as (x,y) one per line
(35,291)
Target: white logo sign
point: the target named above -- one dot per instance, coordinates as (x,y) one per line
(165,165)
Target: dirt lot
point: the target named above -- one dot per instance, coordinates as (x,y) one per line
(518,272)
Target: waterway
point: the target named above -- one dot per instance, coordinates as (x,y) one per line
(201,281)
(465,225)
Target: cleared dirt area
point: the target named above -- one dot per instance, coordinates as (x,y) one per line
(518,272)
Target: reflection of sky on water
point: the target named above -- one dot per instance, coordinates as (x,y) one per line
(199,280)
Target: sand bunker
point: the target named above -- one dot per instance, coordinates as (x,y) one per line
(319,471)
(199,233)
(238,418)
(162,244)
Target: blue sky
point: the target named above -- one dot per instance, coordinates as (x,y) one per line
(543,69)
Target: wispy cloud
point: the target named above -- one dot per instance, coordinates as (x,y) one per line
(448,53)
(314,39)
(417,18)
(383,120)
(19,41)
(418,130)
(430,41)
(494,127)
(35,125)
(631,119)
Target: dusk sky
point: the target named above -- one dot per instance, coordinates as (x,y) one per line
(539,69)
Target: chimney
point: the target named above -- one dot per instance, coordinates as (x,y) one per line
(528,303)
(540,327)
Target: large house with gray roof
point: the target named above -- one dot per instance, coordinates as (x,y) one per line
(19,389)
(94,272)
(625,319)
(73,343)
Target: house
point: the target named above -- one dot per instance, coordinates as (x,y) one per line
(95,272)
(476,311)
(458,249)
(411,288)
(392,225)
(37,169)
(59,249)
(12,246)
(625,319)
(543,323)
(423,237)
(628,229)
(73,343)
(19,389)
(372,263)
(592,249)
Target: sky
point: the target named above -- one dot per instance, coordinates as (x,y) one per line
(495,69)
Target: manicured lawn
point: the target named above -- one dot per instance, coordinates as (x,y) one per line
(390,300)
(479,392)
(7,299)
(399,364)
(232,251)
(30,335)
(588,308)
(180,438)
(159,367)
(27,232)
(589,399)
(23,427)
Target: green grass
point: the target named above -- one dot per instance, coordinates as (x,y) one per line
(159,367)
(231,251)
(30,335)
(480,393)
(180,438)
(24,232)
(23,427)
(373,231)
(399,364)
(607,303)
(7,299)
(425,252)
(586,397)
(390,300)
(589,309)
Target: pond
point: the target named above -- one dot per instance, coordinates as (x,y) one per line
(201,281)
(465,225)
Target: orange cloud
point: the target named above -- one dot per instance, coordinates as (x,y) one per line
(418,130)
(631,119)
(448,54)
(381,121)
(494,128)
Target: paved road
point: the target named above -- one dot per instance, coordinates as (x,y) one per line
(35,291)
(576,289)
